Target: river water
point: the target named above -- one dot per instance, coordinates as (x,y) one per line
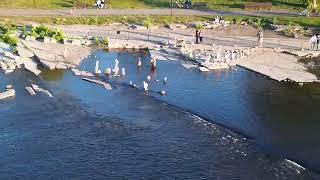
(231,124)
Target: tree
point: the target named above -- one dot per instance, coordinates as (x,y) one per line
(148,24)
(314,3)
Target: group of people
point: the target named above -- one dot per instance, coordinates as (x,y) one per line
(199,36)
(315,41)
(100,4)
(219,20)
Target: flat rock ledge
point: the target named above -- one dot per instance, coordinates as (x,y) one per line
(278,66)
(57,56)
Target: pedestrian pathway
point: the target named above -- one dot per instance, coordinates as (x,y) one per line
(105,12)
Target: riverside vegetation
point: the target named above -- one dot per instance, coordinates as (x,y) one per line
(299,25)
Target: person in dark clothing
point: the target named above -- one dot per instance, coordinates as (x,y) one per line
(197,36)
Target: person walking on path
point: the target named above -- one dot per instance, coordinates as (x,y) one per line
(201,36)
(260,38)
(313,42)
(197,36)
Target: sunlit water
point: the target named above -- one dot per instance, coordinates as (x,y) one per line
(221,125)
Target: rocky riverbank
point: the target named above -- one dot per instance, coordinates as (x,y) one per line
(217,51)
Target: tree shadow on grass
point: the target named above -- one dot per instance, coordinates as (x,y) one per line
(231,6)
(65,4)
(290,4)
(156,3)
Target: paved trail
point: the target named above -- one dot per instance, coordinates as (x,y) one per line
(105,12)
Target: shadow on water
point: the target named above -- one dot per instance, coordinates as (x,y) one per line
(52,75)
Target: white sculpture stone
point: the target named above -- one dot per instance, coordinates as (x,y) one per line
(145,86)
(97,70)
(116,67)
(219,53)
(65,53)
(153,63)
(123,70)
(139,62)
(233,55)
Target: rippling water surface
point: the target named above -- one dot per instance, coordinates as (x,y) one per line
(221,125)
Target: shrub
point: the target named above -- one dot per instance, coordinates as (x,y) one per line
(199,26)
(9,39)
(24,31)
(40,31)
(102,42)
(7,28)
(43,31)
(275,21)
(57,34)
(147,23)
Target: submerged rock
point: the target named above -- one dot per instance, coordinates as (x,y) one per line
(30,91)
(37,88)
(8,93)
(78,72)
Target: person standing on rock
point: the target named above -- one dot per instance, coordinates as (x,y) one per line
(260,38)
(313,42)
(197,36)
(201,36)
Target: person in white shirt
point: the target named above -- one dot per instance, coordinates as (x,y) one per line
(313,42)
(318,41)
(260,38)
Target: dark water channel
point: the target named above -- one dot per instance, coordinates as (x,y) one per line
(220,125)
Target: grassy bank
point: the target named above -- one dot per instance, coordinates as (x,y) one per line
(163,20)
(43,4)
(212,4)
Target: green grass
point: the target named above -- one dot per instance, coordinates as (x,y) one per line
(212,4)
(160,20)
(138,4)
(45,4)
